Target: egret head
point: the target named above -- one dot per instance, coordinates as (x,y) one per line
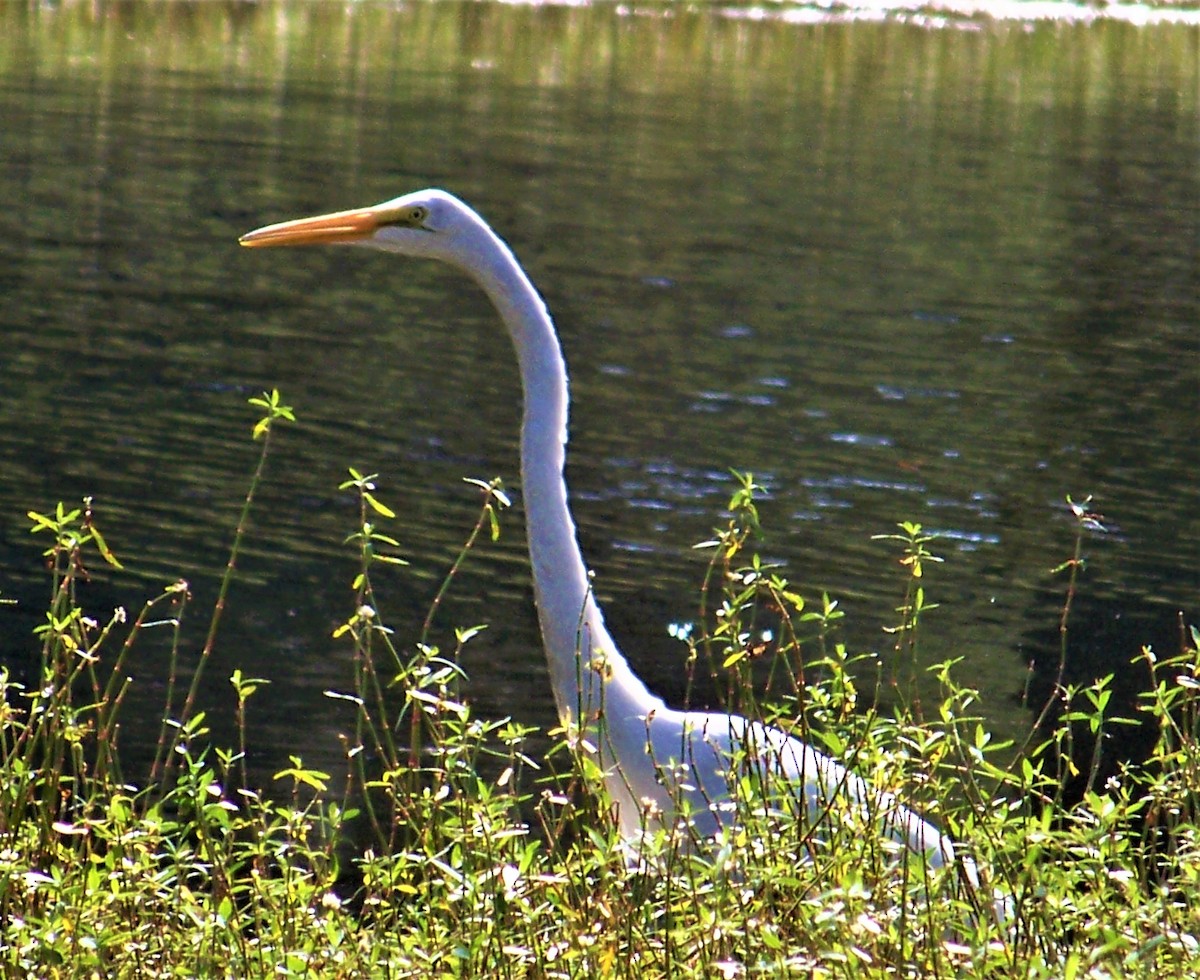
(429,223)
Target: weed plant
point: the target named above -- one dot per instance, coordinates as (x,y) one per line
(483,861)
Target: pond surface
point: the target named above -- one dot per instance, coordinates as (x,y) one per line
(947,274)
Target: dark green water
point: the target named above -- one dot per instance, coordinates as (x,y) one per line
(941,275)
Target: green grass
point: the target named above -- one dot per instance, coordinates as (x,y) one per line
(480,861)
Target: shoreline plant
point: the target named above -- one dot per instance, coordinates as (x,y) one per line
(449,846)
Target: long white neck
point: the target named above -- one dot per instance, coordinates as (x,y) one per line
(589,675)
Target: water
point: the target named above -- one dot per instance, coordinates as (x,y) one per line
(897,272)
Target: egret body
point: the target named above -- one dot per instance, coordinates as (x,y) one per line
(659,763)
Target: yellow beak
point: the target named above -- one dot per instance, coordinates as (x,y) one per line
(342,226)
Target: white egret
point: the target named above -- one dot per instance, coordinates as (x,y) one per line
(659,763)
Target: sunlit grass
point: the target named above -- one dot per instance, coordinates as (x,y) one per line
(476,859)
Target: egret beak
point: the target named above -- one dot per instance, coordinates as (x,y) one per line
(342,226)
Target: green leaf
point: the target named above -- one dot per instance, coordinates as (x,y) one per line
(313,778)
(41,522)
(105,551)
(379,508)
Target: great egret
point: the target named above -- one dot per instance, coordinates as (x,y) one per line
(660,764)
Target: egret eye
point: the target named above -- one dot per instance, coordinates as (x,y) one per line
(418,214)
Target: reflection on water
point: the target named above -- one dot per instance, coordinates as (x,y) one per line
(896,273)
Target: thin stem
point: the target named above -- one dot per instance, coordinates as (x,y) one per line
(264,427)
